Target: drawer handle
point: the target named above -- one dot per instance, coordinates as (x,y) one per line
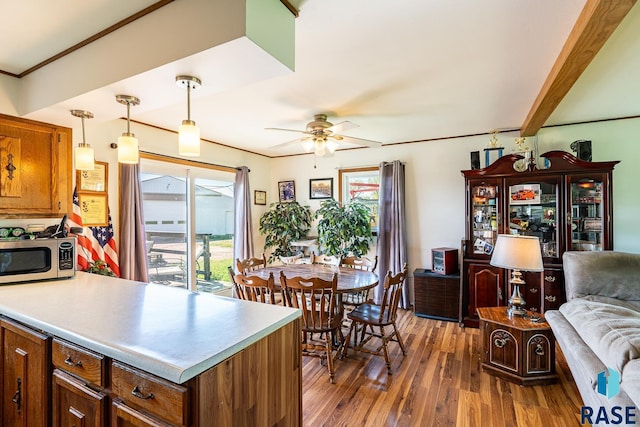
(533,290)
(69,361)
(136,392)
(539,350)
(550,279)
(500,342)
(17,398)
(550,298)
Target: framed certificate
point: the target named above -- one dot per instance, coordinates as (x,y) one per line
(259,197)
(95,180)
(94,209)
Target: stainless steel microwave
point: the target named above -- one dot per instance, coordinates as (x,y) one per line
(38,259)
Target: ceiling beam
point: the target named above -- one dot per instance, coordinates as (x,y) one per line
(597,21)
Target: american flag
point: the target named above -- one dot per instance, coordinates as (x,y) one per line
(95,243)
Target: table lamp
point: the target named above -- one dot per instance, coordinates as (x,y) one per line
(517,253)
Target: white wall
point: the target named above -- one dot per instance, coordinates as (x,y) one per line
(434,183)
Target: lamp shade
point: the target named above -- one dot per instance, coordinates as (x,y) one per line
(128,149)
(517,253)
(84,157)
(189,139)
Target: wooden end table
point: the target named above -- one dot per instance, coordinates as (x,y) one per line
(517,349)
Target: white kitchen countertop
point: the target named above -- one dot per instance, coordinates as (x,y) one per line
(169,332)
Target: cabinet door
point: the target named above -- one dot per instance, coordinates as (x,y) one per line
(75,404)
(125,416)
(35,177)
(26,376)
(485,287)
(483,217)
(534,209)
(589,215)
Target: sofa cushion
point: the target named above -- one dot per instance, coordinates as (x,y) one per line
(610,328)
(608,273)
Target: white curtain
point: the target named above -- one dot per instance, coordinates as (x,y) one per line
(133,241)
(242,234)
(392,235)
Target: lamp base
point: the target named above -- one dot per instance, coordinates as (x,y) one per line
(514,311)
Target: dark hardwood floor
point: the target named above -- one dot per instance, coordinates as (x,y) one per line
(439,382)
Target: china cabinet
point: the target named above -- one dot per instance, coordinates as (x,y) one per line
(567,206)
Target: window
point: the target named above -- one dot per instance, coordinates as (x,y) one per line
(362,184)
(188,213)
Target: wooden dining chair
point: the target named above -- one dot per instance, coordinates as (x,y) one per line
(325,259)
(377,317)
(321,315)
(354,299)
(257,289)
(250,264)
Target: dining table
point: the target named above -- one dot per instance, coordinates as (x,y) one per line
(349,279)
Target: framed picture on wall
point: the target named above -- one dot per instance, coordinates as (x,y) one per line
(321,188)
(287,191)
(259,197)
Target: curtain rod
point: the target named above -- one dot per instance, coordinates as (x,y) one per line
(155,156)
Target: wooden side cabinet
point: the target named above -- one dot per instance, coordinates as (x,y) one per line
(517,349)
(436,296)
(26,377)
(75,403)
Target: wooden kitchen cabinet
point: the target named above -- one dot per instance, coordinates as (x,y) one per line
(75,403)
(567,205)
(35,169)
(26,376)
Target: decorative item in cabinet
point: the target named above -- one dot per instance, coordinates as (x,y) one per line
(571,191)
(444,260)
(436,296)
(484,217)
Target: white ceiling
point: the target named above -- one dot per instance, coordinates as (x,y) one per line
(403,71)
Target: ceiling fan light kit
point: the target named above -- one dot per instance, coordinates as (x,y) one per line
(321,136)
(84,153)
(128,143)
(188,132)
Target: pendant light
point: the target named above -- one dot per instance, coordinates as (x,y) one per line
(128,143)
(84,152)
(188,132)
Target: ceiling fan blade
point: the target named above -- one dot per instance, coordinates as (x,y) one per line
(359,141)
(342,126)
(289,130)
(292,142)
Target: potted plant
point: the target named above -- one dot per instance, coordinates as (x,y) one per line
(282,224)
(344,230)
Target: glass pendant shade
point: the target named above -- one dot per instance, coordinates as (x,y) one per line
(188,132)
(331,146)
(189,139)
(128,143)
(84,153)
(128,149)
(308,145)
(84,157)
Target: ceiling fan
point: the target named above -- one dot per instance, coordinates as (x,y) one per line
(322,136)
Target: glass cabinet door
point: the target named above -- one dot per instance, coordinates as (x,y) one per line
(533,211)
(587,214)
(485,217)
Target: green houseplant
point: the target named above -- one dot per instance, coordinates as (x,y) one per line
(344,230)
(283,223)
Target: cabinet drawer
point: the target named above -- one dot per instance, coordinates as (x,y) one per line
(159,397)
(83,363)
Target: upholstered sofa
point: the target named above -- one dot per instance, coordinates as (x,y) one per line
(599,325)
